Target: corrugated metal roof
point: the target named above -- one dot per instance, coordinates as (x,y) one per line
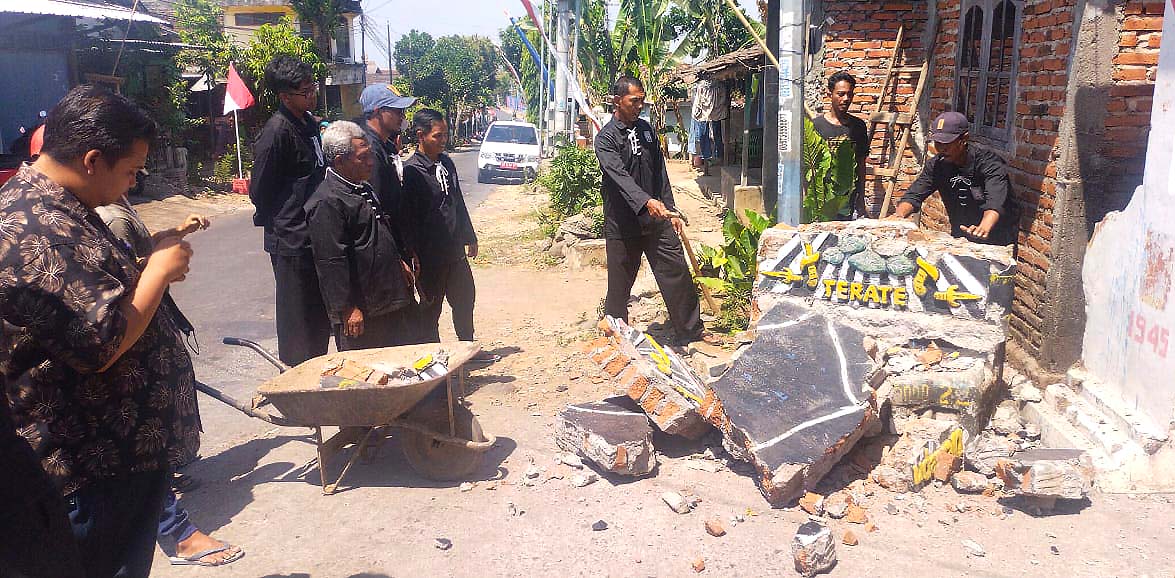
(77,9)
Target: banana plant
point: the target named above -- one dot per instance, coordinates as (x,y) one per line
(829,175)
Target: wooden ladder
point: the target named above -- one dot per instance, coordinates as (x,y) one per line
(899,123)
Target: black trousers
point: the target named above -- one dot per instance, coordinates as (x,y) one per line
(36,538)
(388,330)
(303,329)
(116,521)
(667,259)
(452,281)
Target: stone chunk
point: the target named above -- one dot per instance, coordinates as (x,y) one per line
(1048,473)
(661,382)
(1006,419)
(796,419)
(813,549)
(610,433)
(714,528)
(969,482)
(587,254)
(812,503)
(915,455)
(676,502)
(850,539)
(836,505)
(982,454)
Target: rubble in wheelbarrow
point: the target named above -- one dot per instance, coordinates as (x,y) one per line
(342,372)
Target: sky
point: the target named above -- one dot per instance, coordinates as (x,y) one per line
(444,17)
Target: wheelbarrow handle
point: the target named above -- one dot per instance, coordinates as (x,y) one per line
(263,352)
(241,407)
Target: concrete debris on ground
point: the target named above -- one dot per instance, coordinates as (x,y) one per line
(611,434)
(599,526)
(969,482)
(813,549)
(793,421)
(836,505)
(698,564)
(676,502)
(1048,473)
(982,453)
(655,377)
(581,480)
(442,543)
(973,548)
(714,528)
(912,461)
(849,539)
(812,503)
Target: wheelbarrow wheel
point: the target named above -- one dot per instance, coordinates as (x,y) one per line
(436,459)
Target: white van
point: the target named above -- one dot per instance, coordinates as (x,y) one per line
(510,151)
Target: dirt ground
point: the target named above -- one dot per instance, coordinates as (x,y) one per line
(262,492)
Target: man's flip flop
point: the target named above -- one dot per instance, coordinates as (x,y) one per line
(486,357)
(195,559)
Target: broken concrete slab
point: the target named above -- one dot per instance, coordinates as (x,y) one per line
(611,433)
(813,549)
(656,378)
(1048,473)
(792,403)
(969,482)
(916,454)
(589,253)
(984,450)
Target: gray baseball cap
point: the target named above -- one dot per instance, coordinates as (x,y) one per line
(948,126)
(379,96)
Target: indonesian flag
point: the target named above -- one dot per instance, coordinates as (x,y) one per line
(539,24)
(236,94)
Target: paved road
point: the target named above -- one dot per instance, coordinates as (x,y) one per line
(230,293)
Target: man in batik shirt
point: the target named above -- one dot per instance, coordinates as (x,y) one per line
(98,377)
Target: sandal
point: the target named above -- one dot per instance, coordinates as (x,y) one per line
(197,558)
(183,482)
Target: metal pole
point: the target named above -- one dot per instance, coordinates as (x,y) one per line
(543,82)
(791,110)
(389,52)
(237,129)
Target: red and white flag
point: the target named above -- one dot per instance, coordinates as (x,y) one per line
(539,24)
(236,94)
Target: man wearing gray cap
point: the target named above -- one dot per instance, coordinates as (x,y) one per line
(972,182)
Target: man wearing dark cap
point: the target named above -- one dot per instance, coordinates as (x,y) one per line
(972,182)
(384,119)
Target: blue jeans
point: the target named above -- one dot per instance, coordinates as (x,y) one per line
(115,522)
(174,523)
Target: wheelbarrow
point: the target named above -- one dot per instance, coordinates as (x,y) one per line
(441,438)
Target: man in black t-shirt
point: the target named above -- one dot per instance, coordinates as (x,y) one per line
(836,126)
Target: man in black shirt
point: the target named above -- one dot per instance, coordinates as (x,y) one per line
(287,167)
(836,126)
(366,284)
(972,182)
(442,230)
(639,215)
(384,120)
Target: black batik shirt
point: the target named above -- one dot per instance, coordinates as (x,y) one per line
(389,188)
(63,279)
(981,184)
(436,208)
(287,167)
(633,172)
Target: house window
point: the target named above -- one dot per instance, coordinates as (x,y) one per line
(257,18)
(986,75)
(343,40)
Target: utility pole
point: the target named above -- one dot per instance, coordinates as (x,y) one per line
(771,158)
(389,52)
(363,43)
(543,80)
(791,110)
(562,45)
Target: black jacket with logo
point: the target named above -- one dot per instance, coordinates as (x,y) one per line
(441,224)
(633,172)
(287,167)
(981,184)
(355,252)
(388,185)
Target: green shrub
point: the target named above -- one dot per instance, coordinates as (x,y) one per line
(225,169)
(829,175)
(573,180)
(596,214)
(735,266)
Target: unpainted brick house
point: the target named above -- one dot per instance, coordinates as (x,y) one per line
(1060,88)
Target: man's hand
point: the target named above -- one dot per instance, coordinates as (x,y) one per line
(192,224)
(983,229)
(902,211)
(471,250)
(678,226)
(657,209)
(171,259)
(353,326)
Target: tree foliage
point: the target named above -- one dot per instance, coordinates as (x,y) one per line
(709,27)
(326,16)
(457,74)
(268,41)
(409,51)
(197,22)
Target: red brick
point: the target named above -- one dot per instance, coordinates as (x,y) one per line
(1128,40)
(1154,40)
(617,364)
(603,354)
(1129,73)
(1147,23)
(1143,58)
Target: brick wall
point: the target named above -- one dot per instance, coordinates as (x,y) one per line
(1039,104)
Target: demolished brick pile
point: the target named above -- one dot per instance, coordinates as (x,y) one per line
(868,330)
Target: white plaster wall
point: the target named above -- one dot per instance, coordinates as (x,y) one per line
(1129,273)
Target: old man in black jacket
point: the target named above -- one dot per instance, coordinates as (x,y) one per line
(365,283)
